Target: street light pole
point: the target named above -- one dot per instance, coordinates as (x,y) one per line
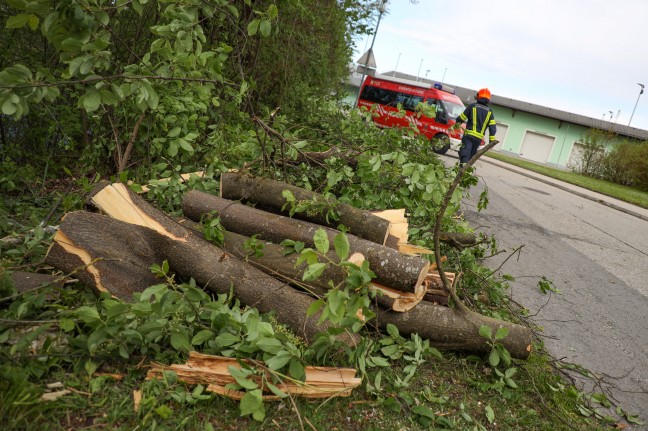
(369,54)
(636,103)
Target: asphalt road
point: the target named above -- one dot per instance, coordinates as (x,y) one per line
(597,256)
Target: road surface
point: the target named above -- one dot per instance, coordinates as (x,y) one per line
(595,255)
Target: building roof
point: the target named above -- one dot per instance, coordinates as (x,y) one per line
(467,95)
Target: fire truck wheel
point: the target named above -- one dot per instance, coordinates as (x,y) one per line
(440,144)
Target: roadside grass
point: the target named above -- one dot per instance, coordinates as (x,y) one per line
(617,191)
(456,392)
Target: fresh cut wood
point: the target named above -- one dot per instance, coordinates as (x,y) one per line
(214,372)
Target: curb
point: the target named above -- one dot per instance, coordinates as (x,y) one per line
(542,179)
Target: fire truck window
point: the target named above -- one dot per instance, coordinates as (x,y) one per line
(454,109)
(434,104)
(409,102)
(378,95)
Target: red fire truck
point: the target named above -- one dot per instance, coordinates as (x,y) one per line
(391,93)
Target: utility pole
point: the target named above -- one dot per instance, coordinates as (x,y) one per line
(368,56)
(636,103)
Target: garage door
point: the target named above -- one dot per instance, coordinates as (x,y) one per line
(537,147)
(502,130)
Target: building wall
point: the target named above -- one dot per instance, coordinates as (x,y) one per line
(519,123)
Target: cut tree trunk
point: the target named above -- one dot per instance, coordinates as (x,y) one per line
(107,255)
(273,261)
(392,268)
(454,329)
(187,255)
(267,194)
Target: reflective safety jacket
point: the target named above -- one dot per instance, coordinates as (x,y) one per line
(478,116)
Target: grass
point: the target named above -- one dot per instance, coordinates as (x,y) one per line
(456,389)
(617,191)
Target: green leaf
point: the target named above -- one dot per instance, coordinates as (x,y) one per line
(494,358)
(88,314)
(270,345)
(313,271)
(485,331)
(296,370)
(33,21)
(392,330)
(252,404)
(91,100)
(380,361)
(226,339)
(72,44)
(17,21)
(253,27)
(201,337)
(314,307)
(8,107)
(510,383)
(275,390)
(272,11)
(425,411)
(154,291)
(186,146)
(279,361)
(164,411)
(490,414)
(245,383)
(66,325)
(175,132)
(180,341)
(501,333)
(265,27)
(321,241)
(341,244)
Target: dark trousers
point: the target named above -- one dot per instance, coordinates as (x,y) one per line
(469,146)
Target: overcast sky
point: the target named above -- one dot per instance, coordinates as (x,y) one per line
(580,56)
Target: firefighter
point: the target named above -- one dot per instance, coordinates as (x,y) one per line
(478,117)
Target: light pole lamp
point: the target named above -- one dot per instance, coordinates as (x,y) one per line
(637,102)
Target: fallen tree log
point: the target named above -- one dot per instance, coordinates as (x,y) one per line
(393,269)
(273,261)
(267,194)
(105,247)
(105,255)
(455,329)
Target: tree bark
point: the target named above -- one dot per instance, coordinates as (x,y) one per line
(188,256)
(274,262)
(455,329)
(266,193)
(392,268)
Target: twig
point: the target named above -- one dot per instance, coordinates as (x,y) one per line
(439,218)
(131,143)
(58,204)
(517,250)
